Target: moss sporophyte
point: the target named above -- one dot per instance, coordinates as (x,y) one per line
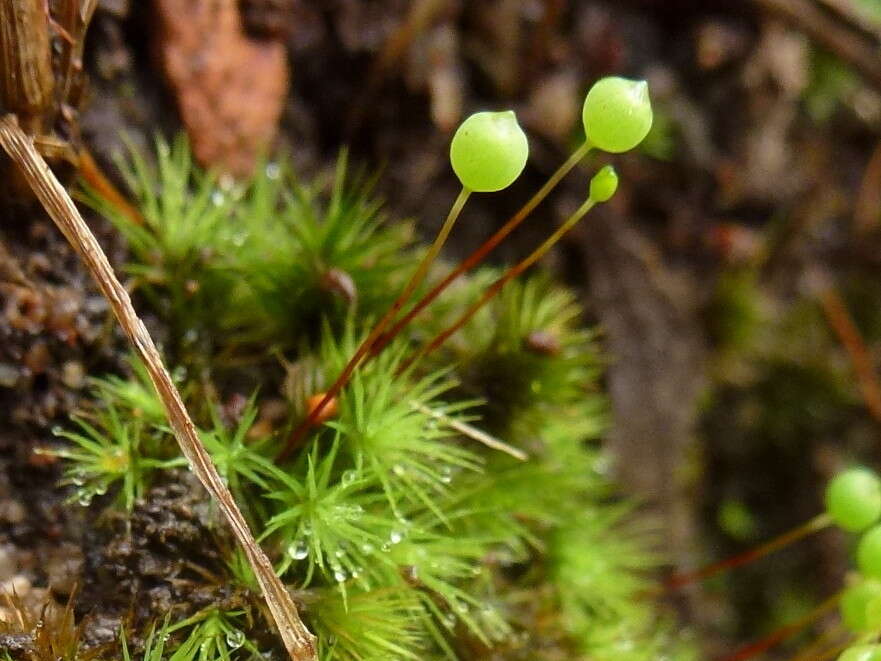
(401,482)
(371,491)
(488,152)
(394,485)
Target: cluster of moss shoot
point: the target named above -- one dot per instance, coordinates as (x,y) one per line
(431,487)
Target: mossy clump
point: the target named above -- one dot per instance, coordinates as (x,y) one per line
(453,508)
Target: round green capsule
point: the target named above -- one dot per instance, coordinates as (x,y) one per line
(853,499)
(861,653)
(855,603)
(869,553)
(873,614)
(603,184)
(617,113)
(489,151)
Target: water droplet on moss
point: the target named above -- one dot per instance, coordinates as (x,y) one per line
(298,550)
(235,639)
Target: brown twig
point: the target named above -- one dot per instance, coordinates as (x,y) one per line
(844,327)
(299,642)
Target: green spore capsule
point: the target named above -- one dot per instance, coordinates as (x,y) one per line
(873,614)
(869,553)
(489,151)
(854,605)
(853,499)
(604,184)
(861,653)
(617,113)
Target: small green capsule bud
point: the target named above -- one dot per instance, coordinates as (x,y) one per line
(617,113)
(604,184)
(854,605)
(869,553)
(489,151)
(861,653)
(853,499)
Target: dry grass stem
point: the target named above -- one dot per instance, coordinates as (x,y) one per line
(299,642)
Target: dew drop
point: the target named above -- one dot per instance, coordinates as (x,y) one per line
(349,477)
(217,198)
(57,430)
(272,171)
(395,537)
(399,470)
(339,575)
(367,548)
(235,639)
(298,550)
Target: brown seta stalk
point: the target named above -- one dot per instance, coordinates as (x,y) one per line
(378,339)
(298,641)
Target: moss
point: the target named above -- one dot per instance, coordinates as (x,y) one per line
(403,536)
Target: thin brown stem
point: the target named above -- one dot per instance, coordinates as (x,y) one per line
(487,247)
(791,536)
(825,641)
(98,181)
(497,286)
(416,279)
(300,644)
(848,334)
(752,650)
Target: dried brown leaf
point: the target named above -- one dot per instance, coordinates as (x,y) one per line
(230,88)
